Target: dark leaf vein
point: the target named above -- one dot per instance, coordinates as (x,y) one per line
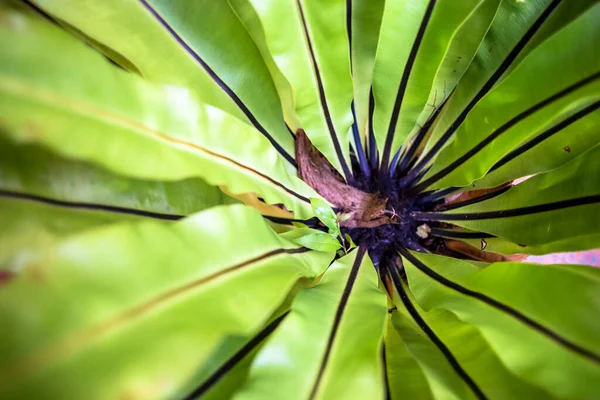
(219,82)
(338,317)
(501,307)
(434,338)
(322,97)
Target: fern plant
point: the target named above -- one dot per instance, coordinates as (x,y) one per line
(281,199)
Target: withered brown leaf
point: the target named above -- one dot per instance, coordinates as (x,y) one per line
(366,210)
(480,255)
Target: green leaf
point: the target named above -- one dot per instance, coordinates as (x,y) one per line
(406,379)
(137,308)
(332,335)
(499,123)
(563,15)
(550,207)
(350,241)
(214,33)
(100,304)
(457,360)
(28,226)
(570,134)
(247,14)
(45,198)
(201,45)
(364,31)
(514,33)
(229,365)
(33,170)
(324,213)
(299,224)
(116,25)
(53,87)
(539,319)
(343,217)
(228,380)
(412,44)
(319,241)
(309,42)
(294,234)
(459,54)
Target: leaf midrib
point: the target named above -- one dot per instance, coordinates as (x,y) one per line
(54,100)
(79,340)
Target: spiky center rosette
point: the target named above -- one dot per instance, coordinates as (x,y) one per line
(384,205)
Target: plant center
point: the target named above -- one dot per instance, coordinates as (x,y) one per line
(379,208)
(401,229)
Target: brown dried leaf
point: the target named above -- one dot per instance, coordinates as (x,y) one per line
(252,200)
(471,194)
(480,255)
(366,210)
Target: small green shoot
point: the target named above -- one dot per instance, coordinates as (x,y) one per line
(324,213)
(319,241)
(332,221)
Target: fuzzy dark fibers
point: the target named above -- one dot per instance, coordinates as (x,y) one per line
(379,206)
(384,240)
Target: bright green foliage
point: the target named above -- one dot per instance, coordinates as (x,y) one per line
(466,344)
(350,341)
(333,240)
(132,290)
(126,272)
(319,241)
(119,111)
(515,331)
(576,64)
(325,214)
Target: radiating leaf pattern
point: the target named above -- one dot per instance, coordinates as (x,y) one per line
(523,324)
(125,303)
(122,111)
(340,354)
(160,238)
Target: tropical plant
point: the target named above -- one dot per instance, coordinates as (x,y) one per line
(298,199)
